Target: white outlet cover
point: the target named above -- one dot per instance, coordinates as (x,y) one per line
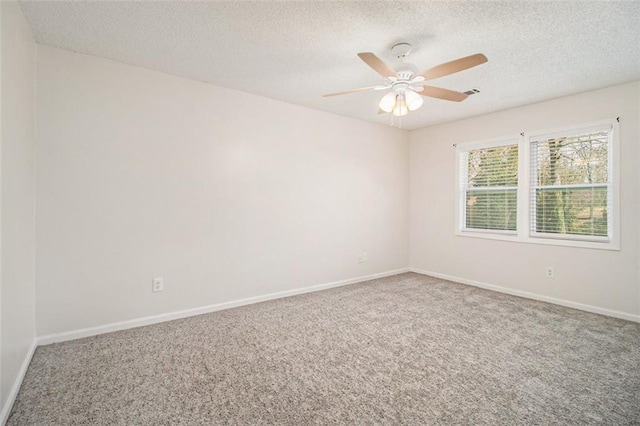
(157,284)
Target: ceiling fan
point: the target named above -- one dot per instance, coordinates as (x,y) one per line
(408,83)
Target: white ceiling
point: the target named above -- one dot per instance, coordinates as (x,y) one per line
(295,51)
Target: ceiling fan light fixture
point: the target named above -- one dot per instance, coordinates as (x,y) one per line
(387,102)
(413,100)
(400,108)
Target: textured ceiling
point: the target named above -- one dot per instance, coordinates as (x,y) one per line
(297,51)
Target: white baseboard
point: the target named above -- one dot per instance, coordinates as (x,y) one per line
(13,393)
(139,322)
(534,296)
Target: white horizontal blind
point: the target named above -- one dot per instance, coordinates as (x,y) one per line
(489,188)
(571,186)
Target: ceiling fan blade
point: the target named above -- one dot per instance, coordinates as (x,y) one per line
(446,94)
(378,66)
(361,89)
(454,66)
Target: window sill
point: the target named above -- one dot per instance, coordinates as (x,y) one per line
(538,240)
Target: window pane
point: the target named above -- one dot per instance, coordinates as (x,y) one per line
(579,211)
(491,209)
(572,160)
(497,166)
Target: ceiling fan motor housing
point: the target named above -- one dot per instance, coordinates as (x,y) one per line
(400,87)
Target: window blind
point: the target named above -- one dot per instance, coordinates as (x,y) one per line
(571,186)
(489,178)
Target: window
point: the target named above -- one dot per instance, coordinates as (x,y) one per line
(570,185)
(490,188)
(553,188)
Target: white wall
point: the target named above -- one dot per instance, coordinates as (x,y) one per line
(17,195)
(224,194)
(229,195)
(598,278)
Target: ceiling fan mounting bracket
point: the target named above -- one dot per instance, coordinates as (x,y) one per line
(401,50)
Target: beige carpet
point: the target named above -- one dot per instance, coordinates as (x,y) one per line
(408,349)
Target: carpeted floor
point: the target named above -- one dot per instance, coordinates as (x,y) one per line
(408,349)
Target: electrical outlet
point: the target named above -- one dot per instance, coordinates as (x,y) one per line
(550,273)
(363,257)
(157,284)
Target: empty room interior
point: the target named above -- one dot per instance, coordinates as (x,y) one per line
(319,212)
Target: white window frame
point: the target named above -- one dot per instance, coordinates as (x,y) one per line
(461,158)
(523,233)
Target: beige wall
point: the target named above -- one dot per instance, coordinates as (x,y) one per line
(17,195)
(598,278)
(224,194)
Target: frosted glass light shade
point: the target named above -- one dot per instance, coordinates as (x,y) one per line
(414,101)
(387,102)
(400,108)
